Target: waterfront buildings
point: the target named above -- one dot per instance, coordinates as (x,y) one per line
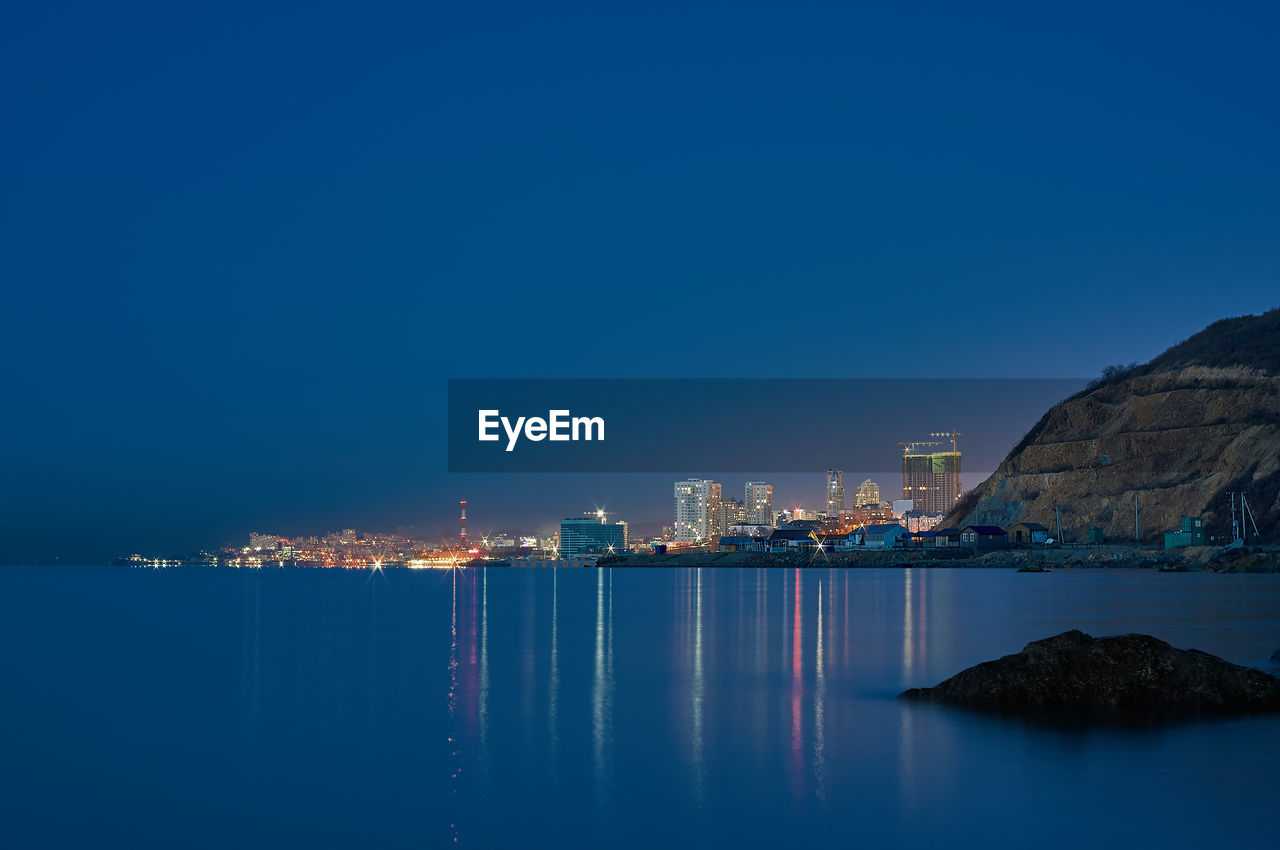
(868,493)
(1027,532)
(696,504)
(759,503)
(742,543)
(259,542)
(883,536)
(869,514)
(835,492)
(936,538)
(793,540)
(1191,534)
(983,536)
(921,522)
(715,511)
(591,534)
(729,513)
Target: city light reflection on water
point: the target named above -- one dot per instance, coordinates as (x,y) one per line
(491,707)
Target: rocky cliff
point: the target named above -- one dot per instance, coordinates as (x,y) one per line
(1179,433)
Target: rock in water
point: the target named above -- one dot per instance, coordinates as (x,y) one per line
(1131,672)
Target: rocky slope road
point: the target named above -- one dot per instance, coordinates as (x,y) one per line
(1179,434)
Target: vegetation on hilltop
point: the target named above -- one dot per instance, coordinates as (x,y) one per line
(1249,341)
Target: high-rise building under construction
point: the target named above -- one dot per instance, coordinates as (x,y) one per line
(931,480)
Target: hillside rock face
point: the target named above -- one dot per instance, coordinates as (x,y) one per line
(1179,434)
(1075,670)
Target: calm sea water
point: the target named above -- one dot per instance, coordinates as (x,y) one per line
(500,707)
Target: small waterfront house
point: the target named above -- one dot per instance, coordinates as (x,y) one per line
(886,535)
(921,539)
(1191,534)
(793,540)
(1027,532)
(936,538)
(802,525)
(983,536)
(831,542)
(946,538)
(742,543)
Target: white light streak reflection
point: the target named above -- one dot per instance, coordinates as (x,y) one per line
(455,753)
(601,698)
(908,635)
(482,708)
(819,712)
(553,681)
(697,694)
(797,691)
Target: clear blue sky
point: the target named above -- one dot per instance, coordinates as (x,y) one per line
(244,245)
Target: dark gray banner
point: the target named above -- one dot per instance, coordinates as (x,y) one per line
(762,425)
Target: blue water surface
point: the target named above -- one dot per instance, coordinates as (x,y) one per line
(499,707)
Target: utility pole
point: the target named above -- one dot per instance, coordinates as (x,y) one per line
(1246,512)
(1235,534)
(1057,513)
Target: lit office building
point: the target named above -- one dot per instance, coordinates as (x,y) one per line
(591,535)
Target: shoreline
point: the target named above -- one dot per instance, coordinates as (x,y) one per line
(1250,559)
(1197,559)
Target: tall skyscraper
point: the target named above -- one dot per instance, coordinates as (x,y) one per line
(696,504)
(931,480)
(835,492)
(759,503)
(715,511)
(868,494)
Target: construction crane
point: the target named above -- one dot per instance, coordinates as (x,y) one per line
(952,434)
(907,447)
